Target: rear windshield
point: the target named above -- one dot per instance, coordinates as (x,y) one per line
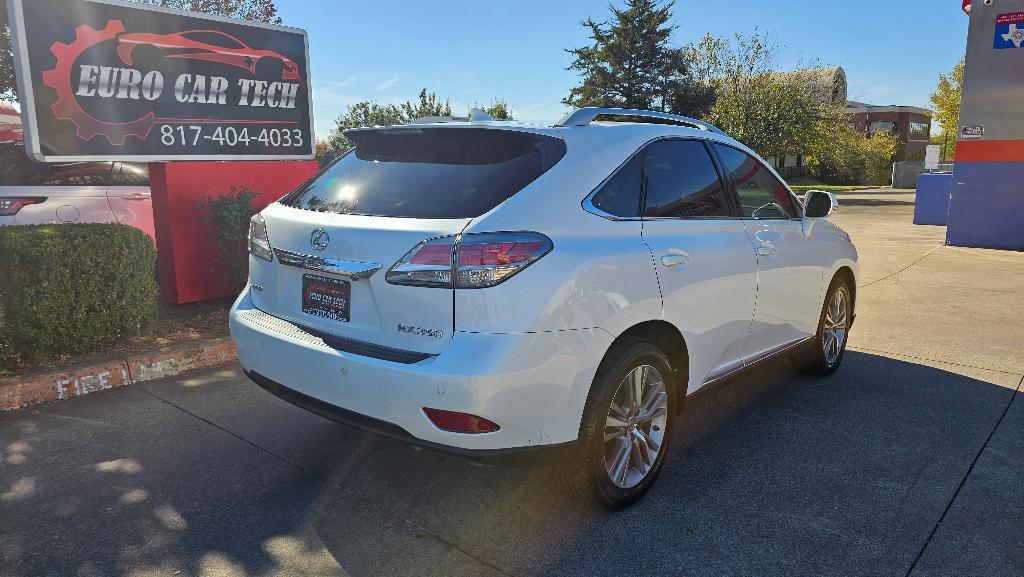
(429,173)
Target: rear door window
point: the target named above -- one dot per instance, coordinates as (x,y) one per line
(682,182)
(761,195)
(429,172)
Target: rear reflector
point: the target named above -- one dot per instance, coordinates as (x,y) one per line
(459,422)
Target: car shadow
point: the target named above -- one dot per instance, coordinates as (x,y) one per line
(769,473)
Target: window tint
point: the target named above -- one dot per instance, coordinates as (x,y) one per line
(761,195)
(620,196)
(682,181)
(429,172)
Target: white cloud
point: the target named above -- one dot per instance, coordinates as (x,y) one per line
(389,83)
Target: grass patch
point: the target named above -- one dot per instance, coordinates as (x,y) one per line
(804,187)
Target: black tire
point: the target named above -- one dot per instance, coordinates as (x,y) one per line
(586,474)
(812,358)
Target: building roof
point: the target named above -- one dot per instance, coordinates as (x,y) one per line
(853,107)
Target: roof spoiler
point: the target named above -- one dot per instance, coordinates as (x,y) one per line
(475,115)
(585,116)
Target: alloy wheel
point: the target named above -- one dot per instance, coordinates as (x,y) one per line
(635,426)
(835,329)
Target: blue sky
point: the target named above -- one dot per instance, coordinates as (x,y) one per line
(472,51)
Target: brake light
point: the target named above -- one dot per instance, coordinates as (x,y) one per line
(459,422)
(481,260)
(259,242)
(11,206)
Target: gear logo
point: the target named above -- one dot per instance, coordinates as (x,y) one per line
(67,108)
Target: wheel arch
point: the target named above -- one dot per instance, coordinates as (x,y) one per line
(666,337)
(847,275)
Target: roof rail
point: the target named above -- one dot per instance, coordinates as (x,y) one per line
(584,116)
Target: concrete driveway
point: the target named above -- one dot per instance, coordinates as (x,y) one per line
(908,461)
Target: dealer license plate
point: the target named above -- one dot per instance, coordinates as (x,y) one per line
(325,297)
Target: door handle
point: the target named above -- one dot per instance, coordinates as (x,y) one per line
(136,196)
(766,250)
(675,259)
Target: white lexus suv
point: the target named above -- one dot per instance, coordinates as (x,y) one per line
(496,288)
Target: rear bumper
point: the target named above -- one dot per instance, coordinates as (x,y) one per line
(534,386)
(519,456)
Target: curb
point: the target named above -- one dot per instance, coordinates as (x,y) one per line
(42,387)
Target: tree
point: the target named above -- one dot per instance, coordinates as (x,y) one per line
(775,112)
(369,113)
(257,10)
(499,110)
(632,64)
(8,90)
(946,99)
(845,155)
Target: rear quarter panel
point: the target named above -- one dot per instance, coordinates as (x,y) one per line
(600,273)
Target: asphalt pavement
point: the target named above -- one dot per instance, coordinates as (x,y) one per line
(908,461)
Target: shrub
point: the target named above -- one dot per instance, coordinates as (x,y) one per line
(71,288)
(852,157)
(228,217)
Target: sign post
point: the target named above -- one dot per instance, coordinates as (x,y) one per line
(106,79)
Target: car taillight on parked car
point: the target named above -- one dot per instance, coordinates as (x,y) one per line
(476,260)
(259,242)
(11,206)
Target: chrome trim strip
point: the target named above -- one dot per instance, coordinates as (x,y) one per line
(351,269)
(752,361)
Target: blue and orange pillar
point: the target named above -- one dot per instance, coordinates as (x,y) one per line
(986,206)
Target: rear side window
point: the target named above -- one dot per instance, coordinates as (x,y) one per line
(620,196)
(429,172)
(682,181)
(761,195)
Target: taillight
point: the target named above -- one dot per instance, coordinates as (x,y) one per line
(459,422)
(259,242)
(480,260)
(11,206)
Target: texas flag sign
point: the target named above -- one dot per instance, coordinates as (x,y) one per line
(1010,30)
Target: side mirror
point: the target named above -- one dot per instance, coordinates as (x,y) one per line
(819,204)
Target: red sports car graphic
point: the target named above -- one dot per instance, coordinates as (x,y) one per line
(210,45)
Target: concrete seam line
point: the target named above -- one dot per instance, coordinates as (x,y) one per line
(312,475)
(887,277)
(939,361)
(963,481)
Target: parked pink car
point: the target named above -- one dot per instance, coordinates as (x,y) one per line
(103,192)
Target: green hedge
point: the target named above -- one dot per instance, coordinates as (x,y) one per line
(71,288)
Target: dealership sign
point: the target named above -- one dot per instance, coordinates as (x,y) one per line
(103,79)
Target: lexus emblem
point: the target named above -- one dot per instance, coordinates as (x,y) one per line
(319,239)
